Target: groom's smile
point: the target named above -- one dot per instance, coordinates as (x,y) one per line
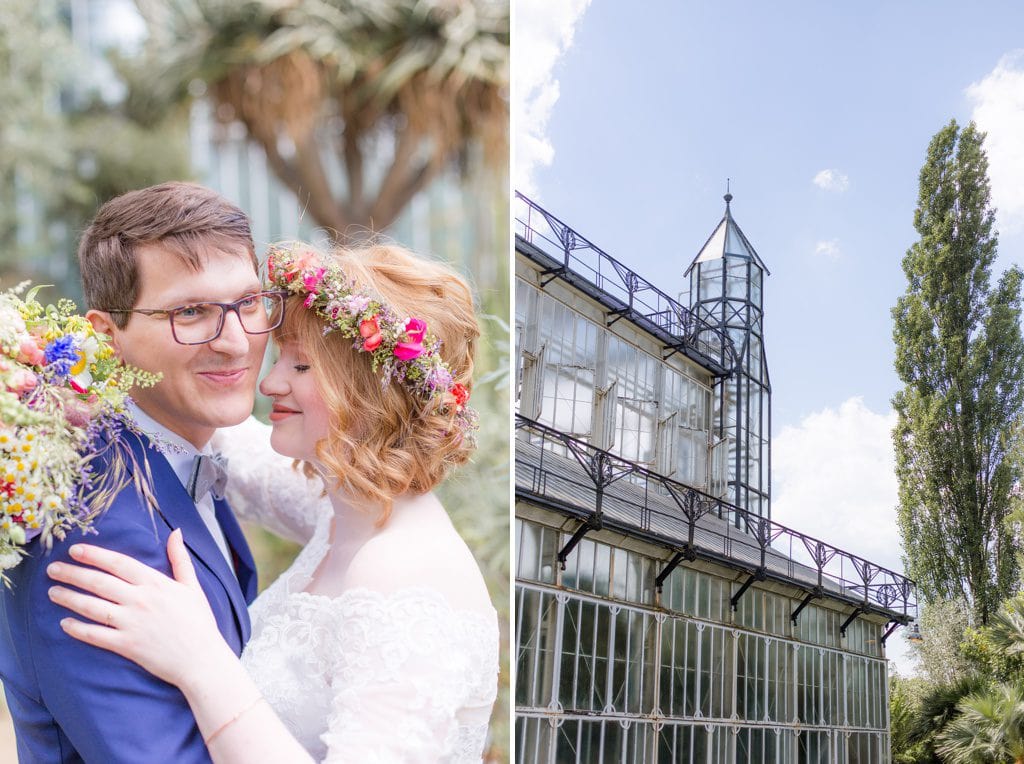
(225,378)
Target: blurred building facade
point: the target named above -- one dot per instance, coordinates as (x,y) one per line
(661,616)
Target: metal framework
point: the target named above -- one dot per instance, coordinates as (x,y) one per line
(565,254)
(642,672)
(562,473)
(726,291)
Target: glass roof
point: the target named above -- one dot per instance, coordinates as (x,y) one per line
(727,239)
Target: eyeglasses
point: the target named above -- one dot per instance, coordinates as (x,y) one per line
(202,322)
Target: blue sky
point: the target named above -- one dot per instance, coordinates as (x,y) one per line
(627,125)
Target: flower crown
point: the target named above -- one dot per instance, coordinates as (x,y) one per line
(401,349)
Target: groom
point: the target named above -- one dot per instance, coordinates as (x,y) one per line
(146,254)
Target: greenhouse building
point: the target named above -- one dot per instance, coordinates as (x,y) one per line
(661,615)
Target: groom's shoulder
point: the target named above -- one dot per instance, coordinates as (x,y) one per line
(131,465)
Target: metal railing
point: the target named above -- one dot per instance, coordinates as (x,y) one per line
(604,490)
(627,294)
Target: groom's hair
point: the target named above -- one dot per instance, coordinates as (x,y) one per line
(187,220)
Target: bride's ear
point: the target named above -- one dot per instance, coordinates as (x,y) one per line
(103,323)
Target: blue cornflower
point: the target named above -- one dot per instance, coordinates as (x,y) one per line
(61,354)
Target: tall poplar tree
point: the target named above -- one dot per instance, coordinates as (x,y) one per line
(960,356)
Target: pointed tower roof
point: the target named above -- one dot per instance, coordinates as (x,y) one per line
(727,239)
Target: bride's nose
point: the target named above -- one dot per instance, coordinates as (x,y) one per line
(274,383)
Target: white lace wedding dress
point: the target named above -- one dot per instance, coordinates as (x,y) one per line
(371,675)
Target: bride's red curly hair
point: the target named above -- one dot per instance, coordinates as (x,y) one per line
(384,441)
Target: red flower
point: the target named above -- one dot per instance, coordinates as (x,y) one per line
(461,394)
(370,332)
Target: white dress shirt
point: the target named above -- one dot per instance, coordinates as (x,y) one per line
(181,462)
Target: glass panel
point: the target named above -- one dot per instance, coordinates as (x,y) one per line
(710,279)
(635,373)
(736,279)
(570,360)
(533,740)
(535,551)
(756,277)
(536,615)
(734,244)
(585,645)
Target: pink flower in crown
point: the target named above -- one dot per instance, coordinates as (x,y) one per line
(298,265)
(312,277)
(310,299)
(306,260)
(412,348)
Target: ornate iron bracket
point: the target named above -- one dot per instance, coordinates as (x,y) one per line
(552,274)
(686,553)
(815,594)
(590,524)
(694,507)
(618,313)
(848,621)
(894,625)
(757,575)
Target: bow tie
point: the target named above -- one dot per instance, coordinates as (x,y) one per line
(209,473)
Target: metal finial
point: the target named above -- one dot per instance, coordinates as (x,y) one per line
(728,196)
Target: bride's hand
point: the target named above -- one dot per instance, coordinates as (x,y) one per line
(163,624)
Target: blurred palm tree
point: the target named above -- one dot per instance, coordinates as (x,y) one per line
(334,89)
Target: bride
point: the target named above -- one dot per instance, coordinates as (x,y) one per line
(379,644)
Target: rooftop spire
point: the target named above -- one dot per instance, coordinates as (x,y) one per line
(726,240)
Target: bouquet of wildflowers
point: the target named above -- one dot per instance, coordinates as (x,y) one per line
(62,397)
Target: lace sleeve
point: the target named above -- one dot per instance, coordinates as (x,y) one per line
(414,682)
(263,486)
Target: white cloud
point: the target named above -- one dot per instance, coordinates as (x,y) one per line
(998,102)
(831,180)
(833,477)
(829,249)
(543,32)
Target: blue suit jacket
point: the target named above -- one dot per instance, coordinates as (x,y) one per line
(72,702)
